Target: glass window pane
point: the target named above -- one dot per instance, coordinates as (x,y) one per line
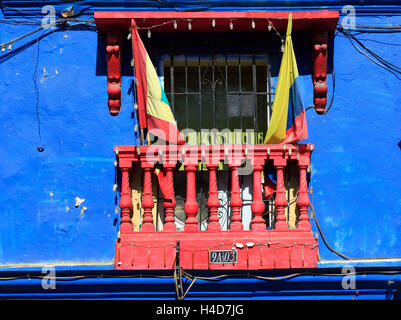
(248,105)
(207,111)
(233,106)
(261,115)
(194,112)
(261,79)
(193,79)
(179,79)
(233,78)
(167,80)
(180,111)
(221,110)
(246,74)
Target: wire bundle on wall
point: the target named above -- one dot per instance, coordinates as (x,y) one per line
(368,53)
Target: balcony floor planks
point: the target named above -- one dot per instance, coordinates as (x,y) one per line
(272,249)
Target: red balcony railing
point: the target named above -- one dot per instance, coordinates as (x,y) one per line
(236,248)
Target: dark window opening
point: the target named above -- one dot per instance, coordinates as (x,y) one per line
(217,81)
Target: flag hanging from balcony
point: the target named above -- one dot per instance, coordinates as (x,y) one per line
(153,107)
(288,121)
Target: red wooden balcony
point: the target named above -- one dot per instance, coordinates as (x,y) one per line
(259,247)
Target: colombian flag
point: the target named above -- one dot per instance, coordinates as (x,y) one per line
(288,121)
(153,107)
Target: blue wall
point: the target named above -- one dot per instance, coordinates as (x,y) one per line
(356,174)
(356,166)
(78,136)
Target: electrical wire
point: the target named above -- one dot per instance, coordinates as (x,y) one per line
(336,252)
(62,23)
(178,283)
(39,148)
(323,237)
(192,277)
(376,27)
(189,287)
(3,45)
(376,41)
(86,276)
(289,276)
(12,53)
(81,26)
(370,54)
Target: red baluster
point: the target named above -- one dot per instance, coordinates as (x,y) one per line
(169,204)
(236,202)
(213,202)
(258,206)
(303,197)
(191,206)
(281,201)
(147,197)
(125,198)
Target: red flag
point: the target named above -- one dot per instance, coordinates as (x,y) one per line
(153,107)
(269,187)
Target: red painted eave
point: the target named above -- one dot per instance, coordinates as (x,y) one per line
(202,21)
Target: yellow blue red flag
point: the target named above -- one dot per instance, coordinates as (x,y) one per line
(288,121)
(153,107)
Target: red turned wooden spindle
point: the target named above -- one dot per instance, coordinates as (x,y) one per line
(303,197)
(191,206)
(236,202)
(169,204)
(281,201)
(147,198)
(125,199)
(213,202)
(258,206)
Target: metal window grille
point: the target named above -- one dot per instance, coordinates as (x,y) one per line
(217,81)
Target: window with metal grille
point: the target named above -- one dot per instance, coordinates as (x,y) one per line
(217,81)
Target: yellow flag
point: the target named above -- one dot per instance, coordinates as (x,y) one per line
(288,114)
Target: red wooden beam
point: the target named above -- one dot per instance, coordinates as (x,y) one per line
(202,21)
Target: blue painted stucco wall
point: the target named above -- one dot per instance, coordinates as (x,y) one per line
(356,174)
(356,166)
(78,136)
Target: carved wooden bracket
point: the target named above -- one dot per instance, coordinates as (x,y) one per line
(319,60)
(113,54)
(113,24)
